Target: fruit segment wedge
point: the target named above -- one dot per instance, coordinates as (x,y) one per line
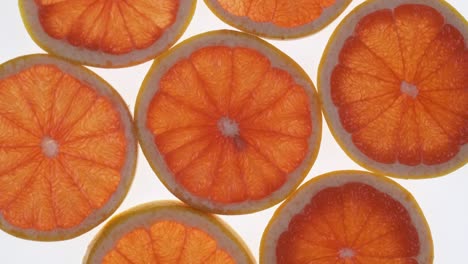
(67,148)
(348,217)
(106,33)
(392,82)
(229,123)
(281,19)
(167,232)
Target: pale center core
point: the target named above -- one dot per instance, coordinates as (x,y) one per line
(346,253)
(228,127)
(409,89)
(50,147)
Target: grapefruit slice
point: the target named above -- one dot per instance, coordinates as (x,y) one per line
(106,33)
(229,123)
(281,19)
(392,82)
(167,232)
(67,148)
(348,217)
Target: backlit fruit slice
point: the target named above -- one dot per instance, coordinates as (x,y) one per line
(393,85)
(106,33)
(348,217)
(229,123)
(170,233)
(279,18)
(67,148)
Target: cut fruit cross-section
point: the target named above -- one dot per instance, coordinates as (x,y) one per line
(229,123)
(281,19)
(106,33)
(168,233)
(348,217)
(392,83)
(67,148)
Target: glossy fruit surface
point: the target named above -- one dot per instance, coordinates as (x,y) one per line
(229,123)
(348,217)
(106,33)
(392,82)
(67,148)
(167,232)
(282,19)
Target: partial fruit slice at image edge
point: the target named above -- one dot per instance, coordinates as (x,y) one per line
(106,33)
(392,83)
(348,217)
(281,19)
(229,123)
(67,148)
(167,232)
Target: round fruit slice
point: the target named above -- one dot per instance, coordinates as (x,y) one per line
(167,232)
(67,148)
(229,123)
(392,83)
(106,33)
(280,18)
(348,217)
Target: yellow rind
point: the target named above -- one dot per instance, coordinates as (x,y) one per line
(116,98)
(323,177)
(104,64)
(155,168)
(297,35)
(154,207)
(335,135)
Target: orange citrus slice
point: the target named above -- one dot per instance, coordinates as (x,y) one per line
(229,123)
(167,232)
(106,33)
(392,83)
(67,148)
(280,18)
(348,217)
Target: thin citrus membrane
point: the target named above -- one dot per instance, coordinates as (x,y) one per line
(106,33)
(67,148)
(392,83)
(229,123)
(167,232)
(280,18)
(348,217)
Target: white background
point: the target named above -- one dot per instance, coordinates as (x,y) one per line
(444,200)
